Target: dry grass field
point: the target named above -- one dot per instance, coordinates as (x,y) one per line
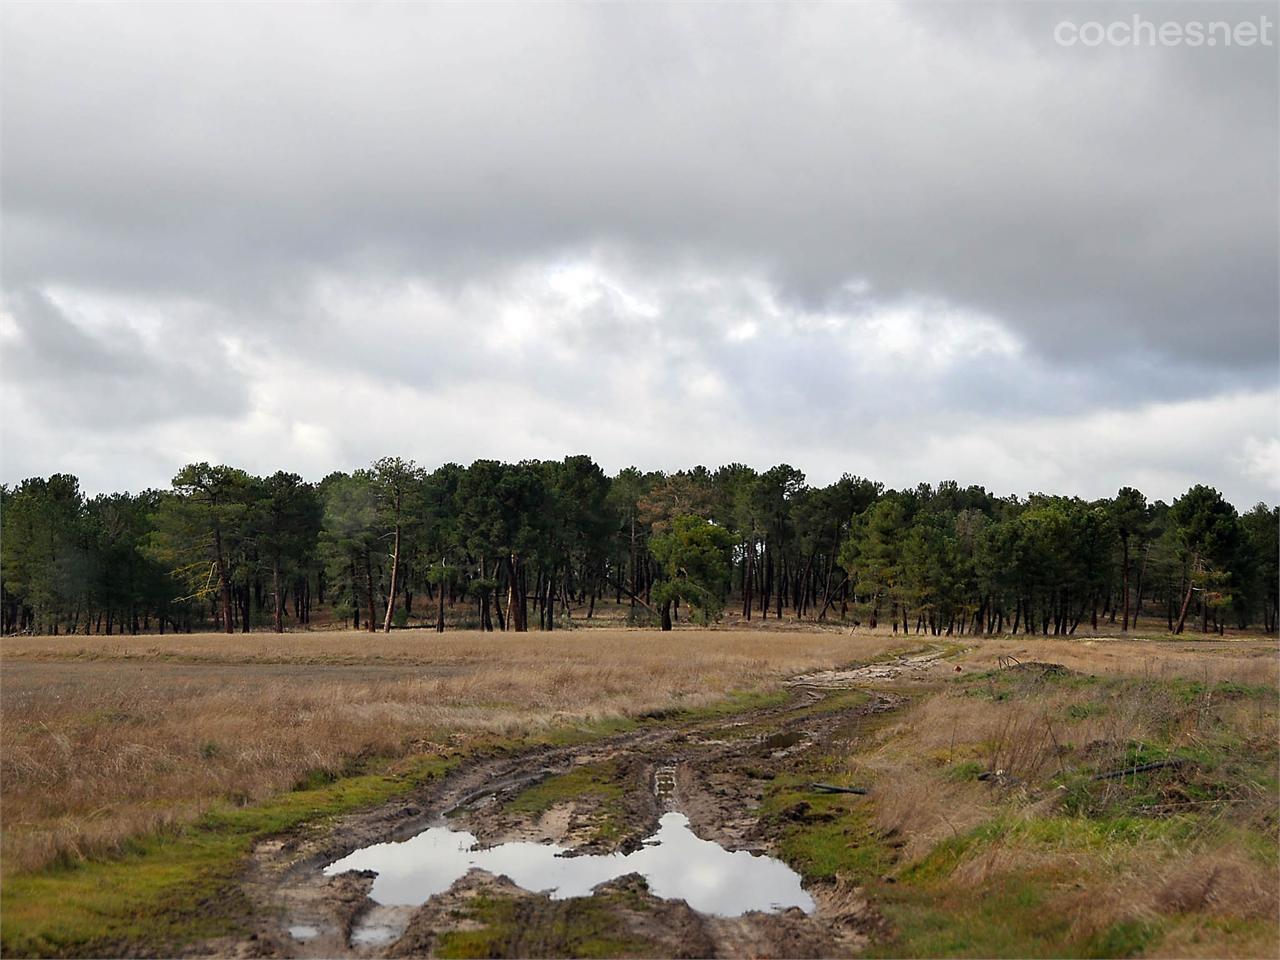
(990,791)
(1246,660)
(987,834)
(106,738)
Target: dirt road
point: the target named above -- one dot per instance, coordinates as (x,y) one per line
(601,797)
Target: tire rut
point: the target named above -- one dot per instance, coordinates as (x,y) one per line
(705,769)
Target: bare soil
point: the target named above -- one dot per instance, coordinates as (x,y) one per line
(712,770)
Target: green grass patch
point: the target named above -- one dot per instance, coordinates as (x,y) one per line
(1066,834)
(837,701)
(1215,798)
(965,770)
(1011,914)
(1189,691)
(1023,681)
(734,703)
(177,886)
(820,834)
(597,782)
(738,701)
(1000,919)
(1080,711)
(586,732)
(1125,938)
(834,701)
(533,927)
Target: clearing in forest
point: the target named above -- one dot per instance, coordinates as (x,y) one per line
(994,797)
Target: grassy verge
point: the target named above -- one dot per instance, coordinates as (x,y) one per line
(108,738)
(822,835)
(597,785)
(170,888)
(524,927)
(989,831)
(180,885)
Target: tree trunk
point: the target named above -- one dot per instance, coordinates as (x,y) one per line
(1124,590)
(632,560)
(1186,600)
(549,604)
(224,585)
(517,609)
(278,619)
(395,571)
(368,586)
(826,585)
(440,608)
(801,598)
(780,601)
(829,596)
(1137,600)
(497,609)
(355,597)
(766,579)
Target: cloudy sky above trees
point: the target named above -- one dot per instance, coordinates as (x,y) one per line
(912,242)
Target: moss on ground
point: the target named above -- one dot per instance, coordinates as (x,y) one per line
(732,704)
(175,887)
(178,886)
(834,701)
(1004,919)
(1046,854)
(821,835)
(532,927)
(598,784)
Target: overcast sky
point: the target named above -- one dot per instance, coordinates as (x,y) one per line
(911,242)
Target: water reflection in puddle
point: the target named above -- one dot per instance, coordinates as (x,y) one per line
(676,863)
(368,934)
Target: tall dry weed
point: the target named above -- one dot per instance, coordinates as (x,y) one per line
(105,738)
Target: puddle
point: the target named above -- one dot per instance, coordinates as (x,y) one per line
(781,741)
(676,863)
(303,932)
(374,934)
(664,782)
(915,668)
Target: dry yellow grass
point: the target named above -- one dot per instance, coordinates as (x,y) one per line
(1195,861)
(108,737)
(922,806)
(1253,661)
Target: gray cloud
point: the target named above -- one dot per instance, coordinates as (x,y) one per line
(103,370)
(374,192)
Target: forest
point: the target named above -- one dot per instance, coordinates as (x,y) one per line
(500,545)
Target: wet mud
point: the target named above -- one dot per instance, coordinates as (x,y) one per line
(714,772)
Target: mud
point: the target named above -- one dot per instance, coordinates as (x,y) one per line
(714,772)
(918,668)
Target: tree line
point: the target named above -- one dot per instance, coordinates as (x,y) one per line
(496,545)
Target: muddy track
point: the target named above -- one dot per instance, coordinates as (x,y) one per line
(713,771)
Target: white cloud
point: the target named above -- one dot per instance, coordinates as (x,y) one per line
(931,336)
(915,391)
(907,240)
(1261,461)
